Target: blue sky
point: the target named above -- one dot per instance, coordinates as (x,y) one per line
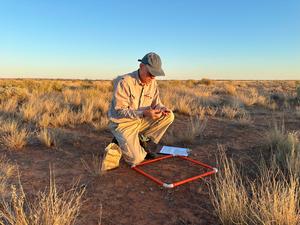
(88,39)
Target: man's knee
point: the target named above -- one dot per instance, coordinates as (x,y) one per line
(132,152)
(137,160)
(135,157)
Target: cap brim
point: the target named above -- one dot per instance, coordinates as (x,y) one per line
(155,72)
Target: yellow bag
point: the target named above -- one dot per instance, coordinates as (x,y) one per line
(112,157)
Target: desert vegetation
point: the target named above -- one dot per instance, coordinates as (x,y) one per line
(68,119)
(49,207)
(270,197)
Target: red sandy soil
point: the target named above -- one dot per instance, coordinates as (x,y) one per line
(129,198)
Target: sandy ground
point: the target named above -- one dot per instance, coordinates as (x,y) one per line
(127,197)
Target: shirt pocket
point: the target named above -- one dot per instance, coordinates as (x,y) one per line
(132,100)
(148,98)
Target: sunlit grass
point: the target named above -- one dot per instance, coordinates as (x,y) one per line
(50,207)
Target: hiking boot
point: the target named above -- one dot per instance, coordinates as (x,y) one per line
(114,140)
(150,155)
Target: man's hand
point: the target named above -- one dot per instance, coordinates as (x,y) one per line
(153,113)
(165,111)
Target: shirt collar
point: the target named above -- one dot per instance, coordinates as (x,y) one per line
(137,77)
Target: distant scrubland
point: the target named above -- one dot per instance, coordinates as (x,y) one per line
(40,110)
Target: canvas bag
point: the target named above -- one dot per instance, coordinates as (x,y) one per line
(112,157)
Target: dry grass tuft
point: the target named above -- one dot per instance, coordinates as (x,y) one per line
(275,200)
(62,118)
(15,140)
(211,111)
(230,89)
(88,112)
(93,166)
(241,115)
(9,92)
(244,118)
(7,170)
(206,81)
(251,96)
(13,136)
(44,120)
(286,148)
(229,112)
(229,195)
(72,97)
(9,106)
(8,125)
(30,110)
(49,137)
(188,101)
(101,123)
(51,207)
(194,129)
(183,105)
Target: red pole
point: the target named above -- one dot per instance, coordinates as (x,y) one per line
(154,160)
(193,178)
(148,175)
(171,185)
(197,162)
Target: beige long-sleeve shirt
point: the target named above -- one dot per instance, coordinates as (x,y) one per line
(131,97)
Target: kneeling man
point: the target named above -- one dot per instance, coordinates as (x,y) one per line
(136,113)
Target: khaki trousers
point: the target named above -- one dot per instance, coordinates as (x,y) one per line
(126,132)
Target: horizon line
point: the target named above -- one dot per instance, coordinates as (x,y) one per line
(204,78)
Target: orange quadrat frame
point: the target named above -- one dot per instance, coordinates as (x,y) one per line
(138,169)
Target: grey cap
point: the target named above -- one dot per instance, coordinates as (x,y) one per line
(153,63)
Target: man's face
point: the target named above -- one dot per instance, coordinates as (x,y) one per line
(145,76)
